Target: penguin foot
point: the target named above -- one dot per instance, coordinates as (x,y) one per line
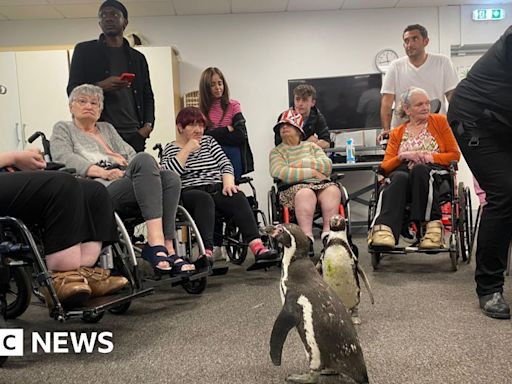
(356,320)
(329,372)
(304,378)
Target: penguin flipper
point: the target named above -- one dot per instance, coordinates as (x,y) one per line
(366,282)
(284,322)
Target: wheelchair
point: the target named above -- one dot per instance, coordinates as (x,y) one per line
(456,210)
(236,248)
(124,261)
(23,272)
(280,214)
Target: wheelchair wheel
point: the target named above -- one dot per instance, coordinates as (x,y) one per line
(236,250)
(454,249)
(120,309)
(20,293)
(468,223)
(272,205)
(195,287)
(92,319)
(461,224)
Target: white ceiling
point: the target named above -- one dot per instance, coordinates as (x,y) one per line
(70,9)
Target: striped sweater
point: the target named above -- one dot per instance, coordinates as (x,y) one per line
(204,166)
(221,119)
(293,164)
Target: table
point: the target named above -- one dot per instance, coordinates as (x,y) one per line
(354,196)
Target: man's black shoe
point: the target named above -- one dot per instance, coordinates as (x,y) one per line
(495,306)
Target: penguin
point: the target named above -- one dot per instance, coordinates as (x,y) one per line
(321,319)
(340,268)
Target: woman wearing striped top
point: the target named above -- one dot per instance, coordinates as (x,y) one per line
(225,121)
(303,170)
(208,183)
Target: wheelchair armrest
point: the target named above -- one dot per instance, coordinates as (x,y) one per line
(243,180)
(337,176)
(52,166)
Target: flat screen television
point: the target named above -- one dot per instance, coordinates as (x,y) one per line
(346,101)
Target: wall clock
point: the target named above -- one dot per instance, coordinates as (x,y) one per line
(383,59)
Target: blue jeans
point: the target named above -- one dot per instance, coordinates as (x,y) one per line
(234,154)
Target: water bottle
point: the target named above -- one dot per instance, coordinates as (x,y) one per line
(351,155)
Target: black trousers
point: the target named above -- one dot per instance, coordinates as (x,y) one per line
(68,210)
(490,158)
(417,186)
(135,140)
(202,205)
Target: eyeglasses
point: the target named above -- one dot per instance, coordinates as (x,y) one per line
(83,102)
(107,14)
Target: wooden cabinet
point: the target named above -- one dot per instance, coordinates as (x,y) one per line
(36,94)
(35,99)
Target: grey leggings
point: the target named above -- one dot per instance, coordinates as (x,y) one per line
(155,191)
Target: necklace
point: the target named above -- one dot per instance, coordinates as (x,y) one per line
(416,131)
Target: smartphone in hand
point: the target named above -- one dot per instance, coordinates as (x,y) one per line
(126,76)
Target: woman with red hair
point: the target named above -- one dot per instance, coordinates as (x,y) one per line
(209,184)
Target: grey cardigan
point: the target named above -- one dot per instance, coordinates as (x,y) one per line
(76,149)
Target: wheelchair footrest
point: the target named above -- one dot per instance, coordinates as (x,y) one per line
(103,303)
(263,264)
(403,250)
(219,271)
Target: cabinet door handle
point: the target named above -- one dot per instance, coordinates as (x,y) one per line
(18,135)
(23,134)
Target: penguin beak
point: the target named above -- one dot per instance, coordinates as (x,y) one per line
(272,230)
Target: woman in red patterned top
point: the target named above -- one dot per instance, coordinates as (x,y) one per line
(417,151)
(226,124)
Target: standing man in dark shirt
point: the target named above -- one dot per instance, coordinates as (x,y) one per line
(480,114)
(315,127)
(129,104)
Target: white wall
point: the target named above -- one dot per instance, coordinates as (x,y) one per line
(258,53)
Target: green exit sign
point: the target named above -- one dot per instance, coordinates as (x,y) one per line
(489,14)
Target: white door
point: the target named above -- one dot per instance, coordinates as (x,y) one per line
(160,72)
(10,121)
(42,79)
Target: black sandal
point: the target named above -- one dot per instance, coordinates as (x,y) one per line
(150,253)
(177,265)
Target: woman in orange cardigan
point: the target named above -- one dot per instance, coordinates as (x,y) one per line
(417,150)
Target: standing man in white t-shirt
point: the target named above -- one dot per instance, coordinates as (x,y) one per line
(432,72)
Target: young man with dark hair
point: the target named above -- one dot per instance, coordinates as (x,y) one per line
(430,71)
(315,127)
(129,104)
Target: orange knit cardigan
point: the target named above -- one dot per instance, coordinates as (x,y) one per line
(439,128)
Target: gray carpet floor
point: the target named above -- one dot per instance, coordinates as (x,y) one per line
(425,327)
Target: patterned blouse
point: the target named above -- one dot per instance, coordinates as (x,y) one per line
(423,142)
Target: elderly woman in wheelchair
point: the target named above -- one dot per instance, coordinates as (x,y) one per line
(417,153)
(209,185)
(75,217)
(302,169)
(95,150)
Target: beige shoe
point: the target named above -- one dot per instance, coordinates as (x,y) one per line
(433,237)
(381,236)
(101,282)
(72,289)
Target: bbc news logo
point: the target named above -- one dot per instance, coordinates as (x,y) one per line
(12,342)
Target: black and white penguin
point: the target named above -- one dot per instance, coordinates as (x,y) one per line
(317,313)
(340,267)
